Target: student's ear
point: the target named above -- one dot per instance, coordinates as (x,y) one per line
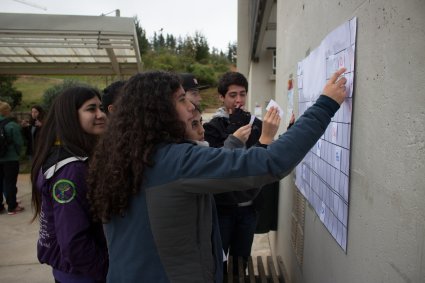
(221,98)
(110,108)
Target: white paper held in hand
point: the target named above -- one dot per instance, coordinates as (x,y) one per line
(273,103)
(252,119)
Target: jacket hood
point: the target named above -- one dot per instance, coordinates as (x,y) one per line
(221,112)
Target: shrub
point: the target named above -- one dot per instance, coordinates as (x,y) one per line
(204,73)
(51,93)
(8,93)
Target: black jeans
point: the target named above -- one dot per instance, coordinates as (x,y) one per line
(9,171)
(237,228)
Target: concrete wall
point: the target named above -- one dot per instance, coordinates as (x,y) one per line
(244,38)
(261,86)
(259,73)
(386,228)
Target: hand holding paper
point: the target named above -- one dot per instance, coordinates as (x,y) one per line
(243,133)
(273,103)
(271,124)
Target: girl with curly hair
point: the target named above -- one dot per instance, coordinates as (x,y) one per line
(152,189)
(69,240)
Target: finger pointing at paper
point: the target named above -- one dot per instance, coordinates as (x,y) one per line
(335,87)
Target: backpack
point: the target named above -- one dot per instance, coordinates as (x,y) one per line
(4,143)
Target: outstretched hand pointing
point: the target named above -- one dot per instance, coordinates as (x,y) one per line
(335,87)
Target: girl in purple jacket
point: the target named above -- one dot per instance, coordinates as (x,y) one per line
(69,241)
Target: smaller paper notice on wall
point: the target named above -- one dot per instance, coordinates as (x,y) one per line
(290,108)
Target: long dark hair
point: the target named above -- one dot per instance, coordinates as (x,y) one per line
(62,125)
(40,116)
(144,117)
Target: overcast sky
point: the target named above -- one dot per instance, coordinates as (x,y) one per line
(215,19)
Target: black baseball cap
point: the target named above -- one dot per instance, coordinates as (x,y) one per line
(190,82)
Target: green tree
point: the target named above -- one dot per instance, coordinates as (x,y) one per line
(158,42)
(164,60)
(204,73)
(8,93)
(201,48)
(219,61)
(170,42)
(144,45)
(189,54)
(179,45)
(231,52)
(161,41)
(155,44)
(51,93)
(188,48)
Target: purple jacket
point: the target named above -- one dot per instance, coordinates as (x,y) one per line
(69,240)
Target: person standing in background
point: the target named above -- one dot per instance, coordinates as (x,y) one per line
(237,211)
(195,132)
(192,88)
(110,95)
(9,161)
(31,128)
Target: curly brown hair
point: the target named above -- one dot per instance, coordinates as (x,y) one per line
(144,117)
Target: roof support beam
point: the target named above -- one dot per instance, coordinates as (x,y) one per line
(114,62)
(32,55)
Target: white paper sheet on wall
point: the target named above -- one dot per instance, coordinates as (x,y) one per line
(323,175)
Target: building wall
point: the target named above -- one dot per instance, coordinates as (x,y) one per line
(259,73)
(386,225)
(261,82)
(244,38)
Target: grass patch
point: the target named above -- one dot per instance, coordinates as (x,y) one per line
(210,101)
(32,88)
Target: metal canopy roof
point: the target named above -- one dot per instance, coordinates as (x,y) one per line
(33,44)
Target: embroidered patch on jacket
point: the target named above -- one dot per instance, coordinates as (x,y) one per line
(64,191)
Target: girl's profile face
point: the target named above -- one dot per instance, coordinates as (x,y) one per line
(183,106)
(194,130)
(92,118)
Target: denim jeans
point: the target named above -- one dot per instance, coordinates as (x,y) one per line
(237,227)
(9,171)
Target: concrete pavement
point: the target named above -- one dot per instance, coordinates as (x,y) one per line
(18,239)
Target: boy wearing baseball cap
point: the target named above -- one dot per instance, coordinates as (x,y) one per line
(192,88)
